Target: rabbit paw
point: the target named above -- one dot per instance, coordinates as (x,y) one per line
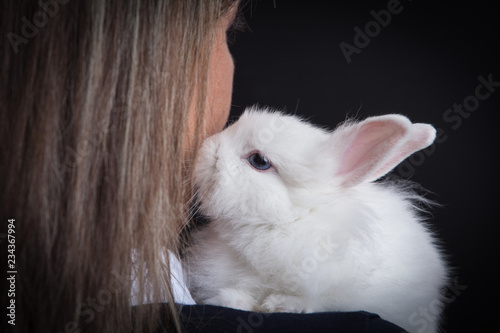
(284,303)
(233,298)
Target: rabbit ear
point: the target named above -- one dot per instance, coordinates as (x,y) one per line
(421,136)
(375,146)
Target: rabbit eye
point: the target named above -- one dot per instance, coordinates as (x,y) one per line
(259,161)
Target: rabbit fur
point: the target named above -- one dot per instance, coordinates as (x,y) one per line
(314,231)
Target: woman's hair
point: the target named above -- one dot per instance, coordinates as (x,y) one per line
(94,99)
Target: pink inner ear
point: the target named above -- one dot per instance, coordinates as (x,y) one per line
(422,135)
(370,146)
(363,146)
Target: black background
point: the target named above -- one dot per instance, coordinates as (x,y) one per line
(427,58)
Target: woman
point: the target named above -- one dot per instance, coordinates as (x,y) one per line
(104,105)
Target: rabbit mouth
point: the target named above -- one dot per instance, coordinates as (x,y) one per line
(199,219)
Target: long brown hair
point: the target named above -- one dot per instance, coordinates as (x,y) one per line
(94,99)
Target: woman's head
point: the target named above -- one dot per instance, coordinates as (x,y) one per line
(220,83)
(103,109)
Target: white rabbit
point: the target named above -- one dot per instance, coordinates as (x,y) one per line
(298,225)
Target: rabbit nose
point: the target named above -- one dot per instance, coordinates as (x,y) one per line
(217,154)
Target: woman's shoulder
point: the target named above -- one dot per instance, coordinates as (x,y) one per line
(211,318)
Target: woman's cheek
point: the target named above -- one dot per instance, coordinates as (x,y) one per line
(221,73)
